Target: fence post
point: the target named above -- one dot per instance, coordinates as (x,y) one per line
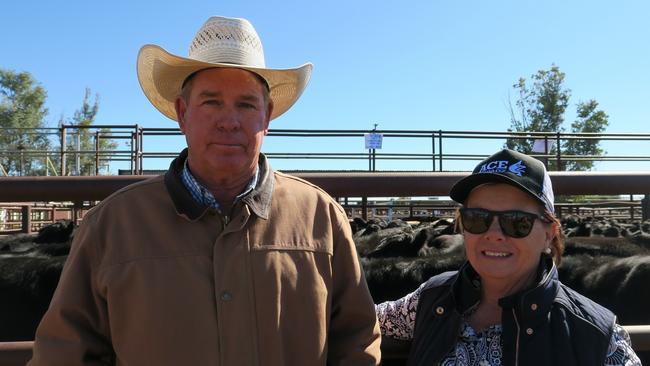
(645,208)
(63,142)
(545,160)
(433,151)
(141,150)
(97,152)
(132,153)
(364,208)
(440,150)
(137,151)
(26,219)
(77,212)
(559,154)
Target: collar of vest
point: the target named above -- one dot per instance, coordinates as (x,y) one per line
(531,305)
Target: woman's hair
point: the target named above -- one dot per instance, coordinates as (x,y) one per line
(557,243)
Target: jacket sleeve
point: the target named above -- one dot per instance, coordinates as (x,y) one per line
(75,330)
(354,337)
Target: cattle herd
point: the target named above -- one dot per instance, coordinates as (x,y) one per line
(606,260)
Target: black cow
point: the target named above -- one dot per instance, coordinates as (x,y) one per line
(30,267)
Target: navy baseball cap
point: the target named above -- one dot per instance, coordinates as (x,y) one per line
(509,167)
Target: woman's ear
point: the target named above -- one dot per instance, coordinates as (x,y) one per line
(552,231)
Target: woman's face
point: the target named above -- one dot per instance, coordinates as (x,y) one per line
(500,259)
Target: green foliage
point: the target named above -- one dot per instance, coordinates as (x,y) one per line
(22,105)
(589,119)
(82,141)
(540,107)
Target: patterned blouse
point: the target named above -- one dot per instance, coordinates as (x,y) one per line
(397,320)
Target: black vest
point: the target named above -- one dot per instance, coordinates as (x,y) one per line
(549,324)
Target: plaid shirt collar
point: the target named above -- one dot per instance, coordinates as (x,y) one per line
(203,196)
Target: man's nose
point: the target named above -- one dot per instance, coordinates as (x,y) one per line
(228,119)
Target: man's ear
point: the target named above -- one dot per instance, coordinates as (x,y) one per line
(181,108)
(269,111)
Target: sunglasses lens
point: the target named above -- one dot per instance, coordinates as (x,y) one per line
(476,221)
(516,224)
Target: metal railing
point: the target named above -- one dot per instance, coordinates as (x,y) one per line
(440,147)
(376,184)
(18,353)
(29,217)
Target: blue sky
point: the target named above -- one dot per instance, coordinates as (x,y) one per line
(423,65)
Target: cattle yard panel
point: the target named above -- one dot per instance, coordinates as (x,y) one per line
(623,211)
(377,184)
(29,217)
(440,148)
(18,353)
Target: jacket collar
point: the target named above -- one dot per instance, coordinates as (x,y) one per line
(466,289)
(531,305)
(259,199)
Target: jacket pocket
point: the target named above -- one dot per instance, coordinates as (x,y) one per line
(308,246)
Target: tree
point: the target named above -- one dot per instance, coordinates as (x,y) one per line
(83,139)
(589,119)
(22,109)
(541,107)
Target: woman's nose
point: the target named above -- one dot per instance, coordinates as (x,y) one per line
(495,231)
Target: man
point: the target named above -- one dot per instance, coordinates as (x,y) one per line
(221,261)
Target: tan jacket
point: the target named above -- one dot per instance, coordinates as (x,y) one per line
(153,278)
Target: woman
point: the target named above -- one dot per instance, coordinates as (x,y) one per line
(506,306)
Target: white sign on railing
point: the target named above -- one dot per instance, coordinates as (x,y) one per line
(538,145)
(373,140)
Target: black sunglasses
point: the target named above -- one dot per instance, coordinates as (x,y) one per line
(515,224)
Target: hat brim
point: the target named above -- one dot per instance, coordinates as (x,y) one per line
(461,189)
(161,76)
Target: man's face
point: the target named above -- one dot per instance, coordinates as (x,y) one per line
(224,121)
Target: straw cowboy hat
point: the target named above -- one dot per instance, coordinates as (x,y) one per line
(221,42)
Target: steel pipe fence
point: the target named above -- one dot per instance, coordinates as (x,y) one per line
(18,353)
(348,184)
(440,149)
(339,184)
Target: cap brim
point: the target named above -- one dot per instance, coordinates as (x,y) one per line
(162,74)
(461,189)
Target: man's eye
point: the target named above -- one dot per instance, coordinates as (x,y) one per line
(212,102)
(248,105)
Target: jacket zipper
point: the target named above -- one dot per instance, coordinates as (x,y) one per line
(225,220)
(514,315)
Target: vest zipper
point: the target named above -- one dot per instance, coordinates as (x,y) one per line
(514,315)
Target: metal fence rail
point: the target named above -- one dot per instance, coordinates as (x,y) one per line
(18,353)
(440,148)
(377,184)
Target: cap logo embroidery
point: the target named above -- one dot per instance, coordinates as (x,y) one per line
(502,166)
(517,168)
